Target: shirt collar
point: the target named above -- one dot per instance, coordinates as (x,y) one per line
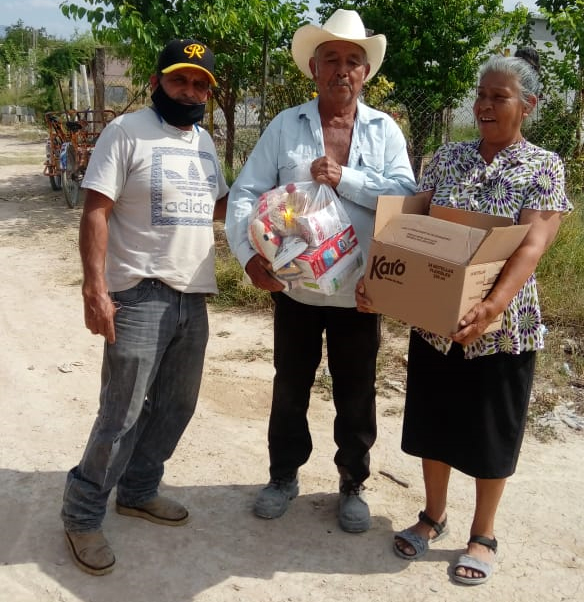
(518,153)
(364,113)
(186,134)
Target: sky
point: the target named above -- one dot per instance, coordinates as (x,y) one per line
(40,13)
(46,13)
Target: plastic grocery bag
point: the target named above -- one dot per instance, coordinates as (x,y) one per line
(304,231)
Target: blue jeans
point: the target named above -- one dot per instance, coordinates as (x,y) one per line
(150,382)
(352,340)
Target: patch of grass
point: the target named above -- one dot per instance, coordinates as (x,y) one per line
(234,291)
(544,433)
(395,328)
(558,378)
(393,411)
(560,273)
(323,384)
(391,363)
(562,359)
(25,131)
(21,159)
(250,355)
(542,402)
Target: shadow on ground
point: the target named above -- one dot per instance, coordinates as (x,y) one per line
(222,540)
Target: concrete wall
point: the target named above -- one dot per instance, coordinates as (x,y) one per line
(11,114)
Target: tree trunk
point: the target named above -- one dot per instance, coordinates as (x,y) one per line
(98,73)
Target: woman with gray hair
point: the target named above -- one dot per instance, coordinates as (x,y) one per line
(467,395)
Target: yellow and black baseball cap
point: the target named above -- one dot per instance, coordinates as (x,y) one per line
(187,53)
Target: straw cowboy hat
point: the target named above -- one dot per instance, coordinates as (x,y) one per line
(343,25)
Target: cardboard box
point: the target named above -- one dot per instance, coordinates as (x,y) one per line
(428,271)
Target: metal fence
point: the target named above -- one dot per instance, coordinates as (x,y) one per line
(552,124)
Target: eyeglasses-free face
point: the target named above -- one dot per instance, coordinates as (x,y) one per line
(499,110)
(187,85)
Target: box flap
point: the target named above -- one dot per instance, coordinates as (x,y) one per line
(390,205)
(475,219)
(500,243)
(433,237)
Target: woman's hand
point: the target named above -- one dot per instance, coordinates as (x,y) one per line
(515,272)
(363,302)
(474,323)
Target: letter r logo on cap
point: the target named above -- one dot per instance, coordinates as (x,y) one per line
(194,50)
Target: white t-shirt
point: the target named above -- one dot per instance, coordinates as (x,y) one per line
(164,182)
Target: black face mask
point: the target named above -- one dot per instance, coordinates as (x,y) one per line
(174,112)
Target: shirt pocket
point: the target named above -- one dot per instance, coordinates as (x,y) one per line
(294,166)
(371,162)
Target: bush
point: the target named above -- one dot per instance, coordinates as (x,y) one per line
(554,128)
(234,292)
(575,177)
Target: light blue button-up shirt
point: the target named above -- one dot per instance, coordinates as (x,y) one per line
(378,164)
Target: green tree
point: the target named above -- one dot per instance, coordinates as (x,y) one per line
(433,53)
(38,62)
(566,20)
(22,38)
(57,65)
(20,50)
(241,34)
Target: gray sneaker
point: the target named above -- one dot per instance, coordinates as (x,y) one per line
(273,500)
(354,514)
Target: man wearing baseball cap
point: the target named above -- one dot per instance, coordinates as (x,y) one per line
(337,140)
(153,185)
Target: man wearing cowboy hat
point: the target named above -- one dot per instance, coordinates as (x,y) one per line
(334,139)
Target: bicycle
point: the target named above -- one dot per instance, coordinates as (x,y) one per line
(72,137)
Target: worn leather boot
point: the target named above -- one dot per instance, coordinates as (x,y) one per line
(160,510)
(91,552)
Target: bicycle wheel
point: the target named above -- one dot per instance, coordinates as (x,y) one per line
(56,183)
(52,163)
(70,179)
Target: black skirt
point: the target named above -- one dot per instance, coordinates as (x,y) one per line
(469,414)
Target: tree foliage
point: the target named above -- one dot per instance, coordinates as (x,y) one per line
(58,65)
(565,18)
(38,62)
(433,52)
(239,33)
(20,48)
(19,39)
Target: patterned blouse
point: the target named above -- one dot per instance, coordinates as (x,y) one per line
(521,176)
